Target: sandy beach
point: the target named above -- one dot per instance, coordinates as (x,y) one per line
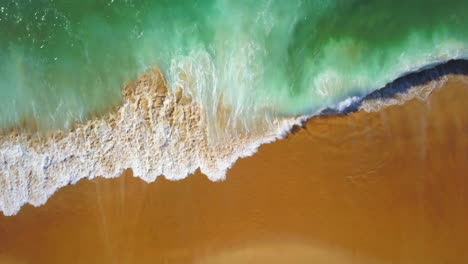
(382,187)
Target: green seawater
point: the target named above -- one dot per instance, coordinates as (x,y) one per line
(61,60)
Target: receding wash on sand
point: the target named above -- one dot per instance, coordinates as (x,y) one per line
(193,84)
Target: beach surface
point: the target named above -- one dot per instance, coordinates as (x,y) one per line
(381,187)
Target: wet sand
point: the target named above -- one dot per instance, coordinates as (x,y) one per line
(383,187)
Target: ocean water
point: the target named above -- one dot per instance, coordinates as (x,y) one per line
(62,60)
(187,85)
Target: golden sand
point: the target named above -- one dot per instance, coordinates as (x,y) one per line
(382,187)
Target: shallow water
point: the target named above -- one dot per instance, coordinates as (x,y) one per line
(62,60)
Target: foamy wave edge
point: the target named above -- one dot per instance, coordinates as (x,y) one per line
(154,132)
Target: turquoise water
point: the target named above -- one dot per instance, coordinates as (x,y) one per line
(61,60)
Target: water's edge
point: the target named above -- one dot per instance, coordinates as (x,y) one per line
(156,132)
(402,89)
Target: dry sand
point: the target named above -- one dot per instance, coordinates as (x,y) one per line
(383,187)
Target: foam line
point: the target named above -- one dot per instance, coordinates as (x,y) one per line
(154,133)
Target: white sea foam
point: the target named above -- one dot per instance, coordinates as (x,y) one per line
(154,132)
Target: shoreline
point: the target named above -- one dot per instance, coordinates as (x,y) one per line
(37,162)
(401,89)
